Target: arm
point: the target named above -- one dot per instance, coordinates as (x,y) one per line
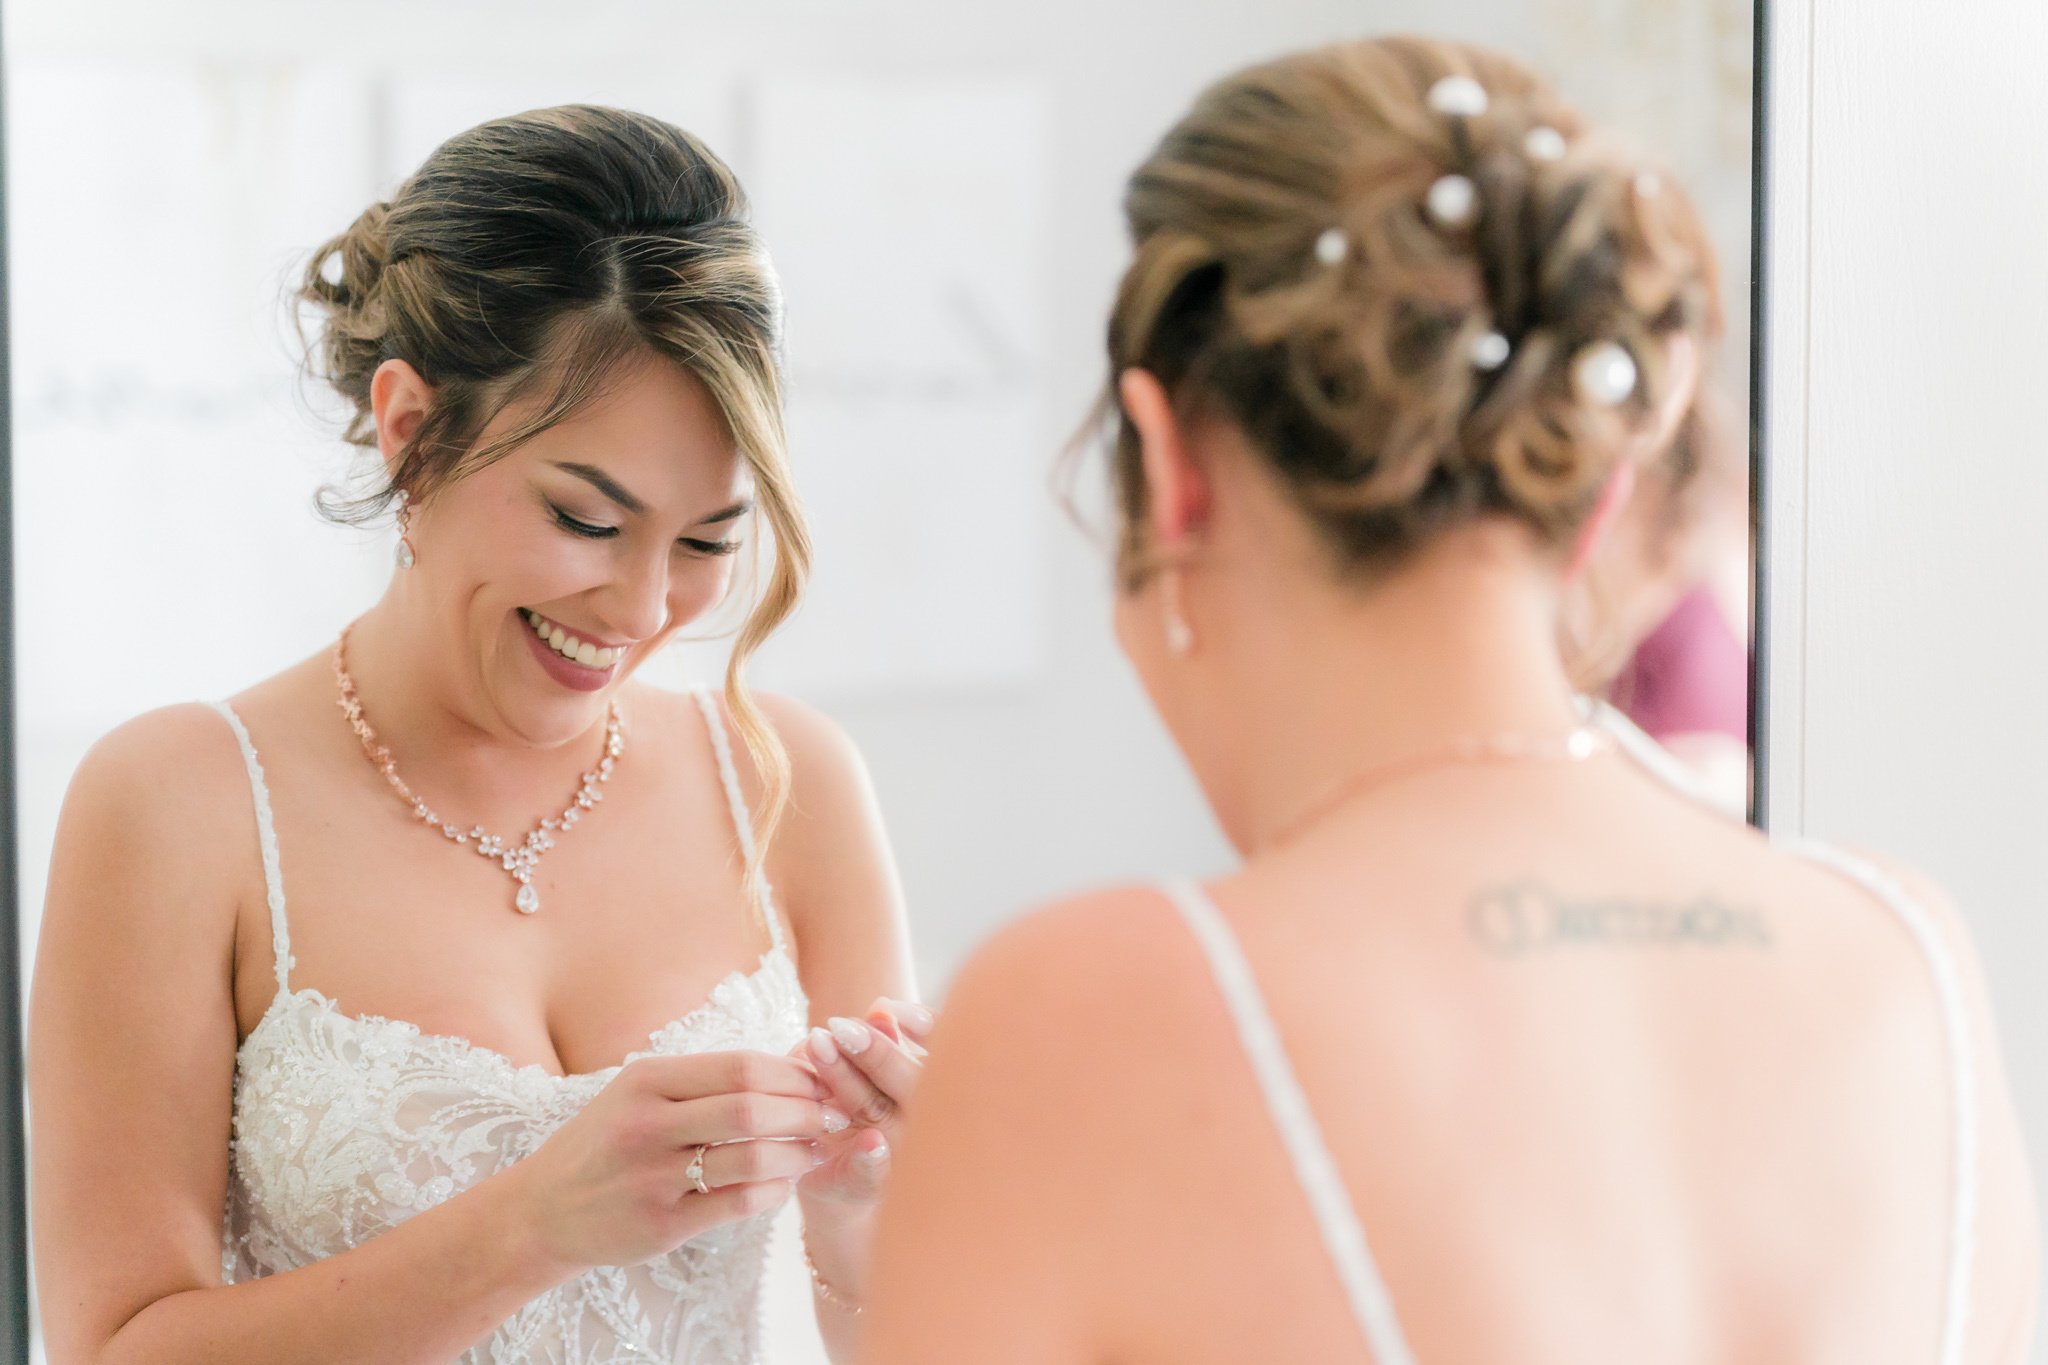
(835,879)
(131,1062)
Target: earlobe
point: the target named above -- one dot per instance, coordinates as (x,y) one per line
(1176,489)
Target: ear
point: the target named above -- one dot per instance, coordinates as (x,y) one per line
(1682,386)
(1621,486)
(1176,486)
(1682,368)
(399,400)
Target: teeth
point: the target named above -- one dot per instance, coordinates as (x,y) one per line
(569,647)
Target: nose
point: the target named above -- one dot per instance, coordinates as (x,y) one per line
(634,605)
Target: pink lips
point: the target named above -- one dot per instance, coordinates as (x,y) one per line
(577,677)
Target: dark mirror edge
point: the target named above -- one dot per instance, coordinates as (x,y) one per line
(14,1332)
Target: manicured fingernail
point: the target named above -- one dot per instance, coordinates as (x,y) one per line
(874,1157)
(818,1156)
(851,1034)
(822,1046)
(835,1122)
(915,1017)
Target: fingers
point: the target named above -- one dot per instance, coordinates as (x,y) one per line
(870,1073)
(903,1018)
(729,1205)
(696,1075)
(733,1118)
(753,1161)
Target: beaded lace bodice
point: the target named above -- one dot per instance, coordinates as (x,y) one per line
(346,1125)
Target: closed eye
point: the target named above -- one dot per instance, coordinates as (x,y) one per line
(588,530)
(713,547)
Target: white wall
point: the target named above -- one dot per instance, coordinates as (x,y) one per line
(1909,469)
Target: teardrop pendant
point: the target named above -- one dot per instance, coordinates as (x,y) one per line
(528,899)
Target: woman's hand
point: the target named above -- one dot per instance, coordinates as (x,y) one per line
(870,1068)
(612,1186)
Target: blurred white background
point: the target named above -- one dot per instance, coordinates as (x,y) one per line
(939,186)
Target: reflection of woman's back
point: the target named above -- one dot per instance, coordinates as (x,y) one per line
(1497,1047)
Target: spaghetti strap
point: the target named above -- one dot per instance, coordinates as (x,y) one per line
(266,840)
(742,819)
(1328,1200)
(1948,990)
(1949,996)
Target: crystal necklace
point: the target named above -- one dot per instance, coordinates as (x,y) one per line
(518,861)
(1573,746)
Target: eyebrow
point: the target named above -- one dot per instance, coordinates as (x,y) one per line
(603,483)
(732,513)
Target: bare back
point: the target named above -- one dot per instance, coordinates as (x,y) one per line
(1604,1077)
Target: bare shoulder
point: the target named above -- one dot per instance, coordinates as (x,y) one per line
(1047,1065)
(155,797)
(820,751)
(1102,978)
(159,773)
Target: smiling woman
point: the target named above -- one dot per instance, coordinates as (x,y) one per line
(438,1130)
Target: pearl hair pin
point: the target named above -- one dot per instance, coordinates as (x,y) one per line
(1452,199)
(1332,246)
(1490,351)
(1458,97)
(1604,373)
(1544,143)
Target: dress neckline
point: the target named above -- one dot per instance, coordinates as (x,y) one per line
(775,958)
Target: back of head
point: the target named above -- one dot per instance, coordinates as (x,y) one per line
(1418,284)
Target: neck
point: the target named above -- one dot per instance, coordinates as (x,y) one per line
(1312,686)
(444,732)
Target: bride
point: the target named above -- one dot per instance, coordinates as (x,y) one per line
(314,1081)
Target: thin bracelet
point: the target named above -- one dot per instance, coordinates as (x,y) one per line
(826,1291)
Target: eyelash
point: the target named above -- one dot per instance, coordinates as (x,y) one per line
(589,531)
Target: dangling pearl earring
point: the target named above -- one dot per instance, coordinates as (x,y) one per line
(1180,636)
(404,554)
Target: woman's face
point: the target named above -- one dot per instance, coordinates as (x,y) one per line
(559,569)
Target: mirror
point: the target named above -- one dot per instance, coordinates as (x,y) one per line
(938,186)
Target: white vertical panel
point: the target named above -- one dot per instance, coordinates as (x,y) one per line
(1911,447)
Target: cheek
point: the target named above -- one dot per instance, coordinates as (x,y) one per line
(699,586)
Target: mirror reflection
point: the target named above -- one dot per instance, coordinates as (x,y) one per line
(460,407)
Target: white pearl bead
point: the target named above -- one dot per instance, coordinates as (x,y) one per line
(1332,246)
(1458,96)
(1490,351)
(1452,199)
(1604,373)
(1544,144)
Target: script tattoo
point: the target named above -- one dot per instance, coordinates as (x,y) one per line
(1524,919)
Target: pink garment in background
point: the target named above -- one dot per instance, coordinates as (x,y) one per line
(1689,676)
